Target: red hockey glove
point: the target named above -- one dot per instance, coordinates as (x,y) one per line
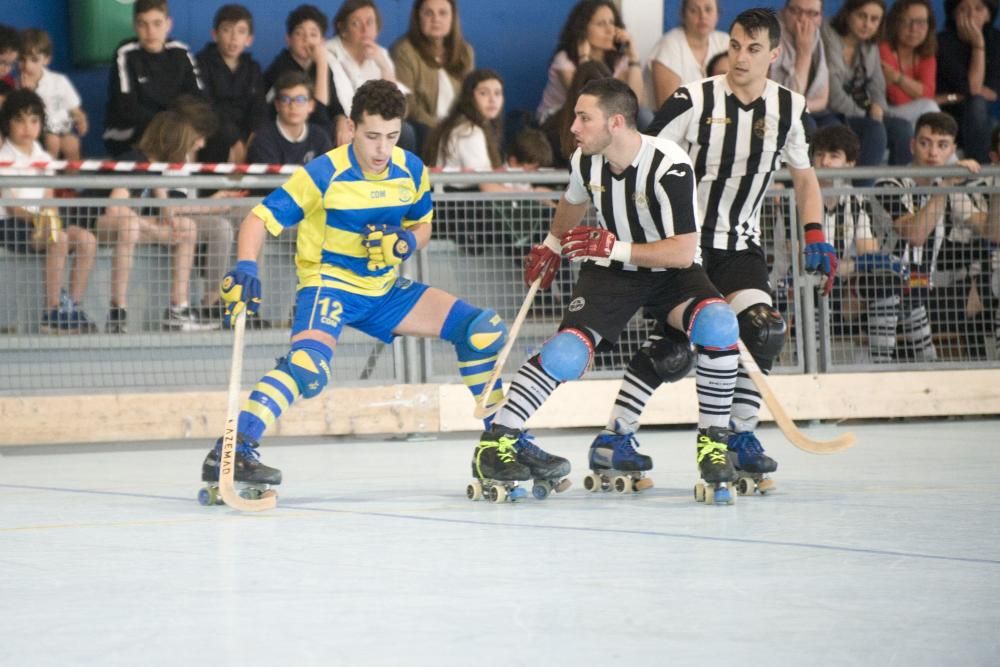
(542,261)
(594,243)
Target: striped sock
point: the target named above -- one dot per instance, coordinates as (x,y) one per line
(271,396)
(531,387)
(715,379)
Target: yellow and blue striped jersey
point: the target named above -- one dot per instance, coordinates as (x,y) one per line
(332,201)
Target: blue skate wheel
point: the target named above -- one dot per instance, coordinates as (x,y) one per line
(540,490)
(517,493)
(205,498)
(723,496)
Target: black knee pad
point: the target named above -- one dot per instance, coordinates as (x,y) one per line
(669,353)
(762,329)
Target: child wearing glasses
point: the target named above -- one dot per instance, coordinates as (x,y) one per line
(290,138)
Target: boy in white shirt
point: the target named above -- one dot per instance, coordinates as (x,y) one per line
(65,120)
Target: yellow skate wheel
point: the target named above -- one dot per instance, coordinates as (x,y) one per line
(592,482)
(498,494)
(709,494)
(699,492)
(642,484)
(623,484)
(474,491)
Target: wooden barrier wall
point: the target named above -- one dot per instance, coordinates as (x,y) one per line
(439,408)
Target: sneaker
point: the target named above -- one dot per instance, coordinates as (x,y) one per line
(749,453)
(59,321)
(616,451)
(117,321)
(248,466)
(541,464)
(53,322)
(495,457)
(714,463)
(183,318)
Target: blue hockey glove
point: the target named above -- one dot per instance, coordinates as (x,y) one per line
(388,246)
(879,263)
(240,289)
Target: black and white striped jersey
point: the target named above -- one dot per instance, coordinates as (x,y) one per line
(735,148)
(653,199)
(848,221)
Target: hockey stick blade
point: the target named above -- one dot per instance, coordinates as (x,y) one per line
(781,418)
(227,457)
(482,410)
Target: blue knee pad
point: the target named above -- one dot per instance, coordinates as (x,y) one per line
(309,365)
(566,355)
(712,325)
(475,333)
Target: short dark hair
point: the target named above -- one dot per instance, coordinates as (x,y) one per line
(351,6)
(833,138)
(232,14)
(938,122)
(304,13)
(20,102)
(378,97)
(760,18)
(143,6)
(34,40)
(614,97)
(292,78)
(530,146)
(198,113)
(715,60)
(10,39)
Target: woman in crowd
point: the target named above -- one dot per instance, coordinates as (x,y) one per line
(968,78)
(682,54)
(593,31)
(356,56)
(857,85)
(431,60)
(909,59)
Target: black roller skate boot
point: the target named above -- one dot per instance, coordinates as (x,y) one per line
(615,462)
(547,470)
(251,476)
(715,467)
(495,467)
(752,464)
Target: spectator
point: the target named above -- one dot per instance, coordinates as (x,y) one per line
(432,59)
(557,126)
(170,138)
(356,57)
(10,46)
(682,54)
(35,229)
(290,138)
(529,151)
(909,59)
(65,121)
(719,64)
(594,30)
(148,74)
(306,52)
(801,64)
(233,84)
(857,86)
(968,79)
(941,239)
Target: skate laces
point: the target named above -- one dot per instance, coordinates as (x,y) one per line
(526,443)
(505,450)
(715,451)
(745,442)
(247,450)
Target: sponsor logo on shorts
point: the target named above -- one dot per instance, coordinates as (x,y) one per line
(577,304)
(404,283)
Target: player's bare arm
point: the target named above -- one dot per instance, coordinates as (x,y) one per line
(567,216)
(808,196)
(676,252)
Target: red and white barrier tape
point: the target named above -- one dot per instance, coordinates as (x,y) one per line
(176,168)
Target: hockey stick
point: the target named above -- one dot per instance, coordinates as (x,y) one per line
(227,459)
(483,411)
(784,422)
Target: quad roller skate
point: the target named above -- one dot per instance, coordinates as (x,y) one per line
(252,477)
(715,467)
(752,464)
(548,471)
(615,464)
(496,469)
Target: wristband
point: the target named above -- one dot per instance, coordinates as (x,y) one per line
(814,233)
(621,251)
(552,243)
(247,266)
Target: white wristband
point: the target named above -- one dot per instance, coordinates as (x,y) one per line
(552,243)
(621,251)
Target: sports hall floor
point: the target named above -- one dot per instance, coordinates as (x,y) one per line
(886,554)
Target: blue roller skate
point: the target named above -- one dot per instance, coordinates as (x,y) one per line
(752,464)
(615,463)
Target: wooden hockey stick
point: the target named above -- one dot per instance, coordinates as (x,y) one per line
(483,411)
(227,458)
(785,423)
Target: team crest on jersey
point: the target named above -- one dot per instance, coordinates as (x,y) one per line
(640,199)
(762,127)
(577,304)
(405,196)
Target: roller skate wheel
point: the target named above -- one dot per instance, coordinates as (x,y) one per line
(474,491)
(498,494)
(642,484)
(765,486)
(592,482)
(744,486)
(724,496)
(517,493)
(205,497)
(623,484)
(562,486)
(709,494)
(540,489)
(250,494)
(699,492)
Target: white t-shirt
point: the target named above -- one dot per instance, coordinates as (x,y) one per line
(554,95)
(446,94)
(672,51)
(465,148)
(60,98)
(9,153)
(348,74)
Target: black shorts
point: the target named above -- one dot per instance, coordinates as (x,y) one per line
(605,299)
(17,235)
(731,271)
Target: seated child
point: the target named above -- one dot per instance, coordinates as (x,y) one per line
(290,138)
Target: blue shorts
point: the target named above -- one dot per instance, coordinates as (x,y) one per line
(328,309)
